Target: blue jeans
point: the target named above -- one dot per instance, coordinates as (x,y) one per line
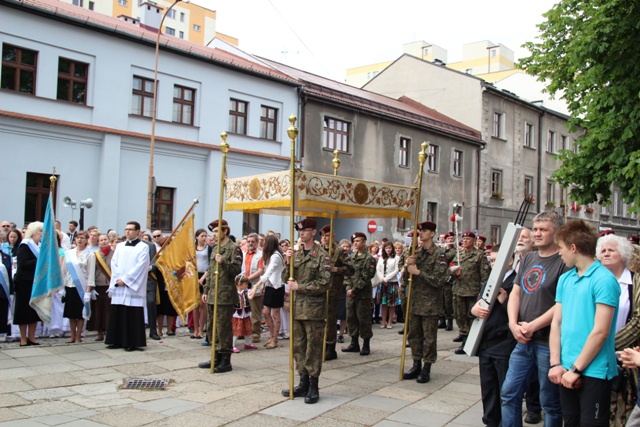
(525,360)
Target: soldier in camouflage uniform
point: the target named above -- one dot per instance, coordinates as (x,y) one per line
(340,267)
(310,298)
(229,262)
(446,315)
(429,270)
(359,293)
(470,278)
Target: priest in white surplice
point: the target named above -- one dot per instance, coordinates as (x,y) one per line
(128,291)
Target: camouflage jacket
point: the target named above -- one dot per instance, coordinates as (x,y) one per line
(229,268)
(426,288)
(341,261)
(364,266)
(313,282)
(475,273)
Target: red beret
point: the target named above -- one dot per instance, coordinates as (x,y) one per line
(469,234)
(489,246)
(427,225)
(634,239)
(607,232)
(326,229)
(484,239)
(450,234)
(214,224)
(306,223)
(357,234)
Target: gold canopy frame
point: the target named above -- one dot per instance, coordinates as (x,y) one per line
(319,195)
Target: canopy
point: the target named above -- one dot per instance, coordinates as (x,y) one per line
(319,195)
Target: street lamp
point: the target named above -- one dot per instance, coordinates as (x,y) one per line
(150,186)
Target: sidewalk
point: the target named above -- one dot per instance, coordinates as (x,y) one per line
(80,385)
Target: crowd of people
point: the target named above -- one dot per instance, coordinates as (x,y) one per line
(563,332)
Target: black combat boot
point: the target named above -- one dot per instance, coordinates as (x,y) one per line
(460,338)
(365,347)
(216,359)
(207,364)
(442,323)
(425,375)
(331,354)
(224,365)
(301,389)
(354,347)
(415,370)
(313,395)
(449,326)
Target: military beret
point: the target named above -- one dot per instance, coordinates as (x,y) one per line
(469,234)
(607,232)
(450,234)
(306,223)
(489,246)
(326,229)
(357,234)
(484,239)
(214,224)
(427,225)
(634,239)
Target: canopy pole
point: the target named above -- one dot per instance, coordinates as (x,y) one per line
(292,132)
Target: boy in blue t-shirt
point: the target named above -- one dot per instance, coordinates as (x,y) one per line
(583,360)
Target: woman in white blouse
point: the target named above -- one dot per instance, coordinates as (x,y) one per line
(273,287)
(387,277)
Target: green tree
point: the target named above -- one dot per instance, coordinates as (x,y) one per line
(588,53)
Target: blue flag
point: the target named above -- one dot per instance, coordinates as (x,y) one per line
(48,279)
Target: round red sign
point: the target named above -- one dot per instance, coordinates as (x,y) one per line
(372,226)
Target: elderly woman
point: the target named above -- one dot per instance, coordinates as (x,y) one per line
(615,253)
(27,254)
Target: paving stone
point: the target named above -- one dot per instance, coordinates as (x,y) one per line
(298,410)
(413,416)
(14,385)
(8,414)
(379,402)
(39,409)
(191,419)
(95,389)
(263,420)
(126,417)
(45,393)
(356,415)
(168,407)
(101,401)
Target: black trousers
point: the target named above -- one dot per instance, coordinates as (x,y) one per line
(493,371)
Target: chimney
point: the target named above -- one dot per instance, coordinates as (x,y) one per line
(150,16)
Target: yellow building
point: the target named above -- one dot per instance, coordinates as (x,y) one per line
(186,20)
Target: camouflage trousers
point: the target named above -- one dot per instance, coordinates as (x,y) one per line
(359,317)
(402,293)
(447,301)
(423,338)
(224,327)
(307,346)
(332,312)
(462,308)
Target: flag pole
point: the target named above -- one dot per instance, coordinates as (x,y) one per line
(175,230)
(292,132)
(336,164)
(224,148)
(422,156)
(52,185)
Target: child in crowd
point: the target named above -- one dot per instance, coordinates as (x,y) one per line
(242,315)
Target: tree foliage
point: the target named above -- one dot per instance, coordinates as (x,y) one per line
(589,52)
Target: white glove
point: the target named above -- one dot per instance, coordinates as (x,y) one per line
(62,292)
(94,295)
(87,297)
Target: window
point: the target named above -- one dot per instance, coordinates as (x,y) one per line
(401,224)
(551,142)
(335,135)
(72,81)
(142,101)
(497,130)
(122,2)
(37,194)
(181,16)
(528,186)
(250,223)
(403,152)
(457,163)
(183,102)
(529,136)
(432,158)
(551,193)
(91,5)
(496,234)
(78,3)
(238,117)
(268,122)
(19,69)
(162,215)
(496,181)
(170,31)
(494,53)
(171,14)
(196,27)
(432,212)
(564,142)
(181,34)
(576,149)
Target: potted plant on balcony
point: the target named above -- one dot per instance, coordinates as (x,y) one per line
(497,195)
(589,210)
(550,204)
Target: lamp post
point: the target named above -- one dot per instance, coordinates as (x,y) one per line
(86,203)
(153,118)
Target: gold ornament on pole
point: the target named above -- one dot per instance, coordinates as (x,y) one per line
(422,156)
(292,131)
(224,148)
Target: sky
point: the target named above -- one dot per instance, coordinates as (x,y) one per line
(328,37)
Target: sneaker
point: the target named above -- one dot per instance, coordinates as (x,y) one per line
(235,350)
(250,347)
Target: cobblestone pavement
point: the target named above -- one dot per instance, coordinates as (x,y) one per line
(81,385)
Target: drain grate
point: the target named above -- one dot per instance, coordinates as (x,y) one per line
(145,384)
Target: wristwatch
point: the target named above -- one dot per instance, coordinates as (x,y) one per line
(574,369)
